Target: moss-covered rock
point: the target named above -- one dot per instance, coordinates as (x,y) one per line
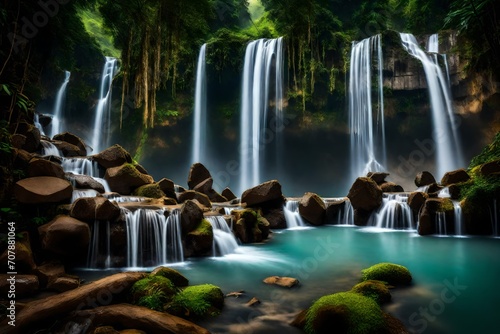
(200,240)
(344,312)
(391,273)
(149,190)
(198,301)
(376,290)
(173,275)
(153,292)
(250,226)
(125,178)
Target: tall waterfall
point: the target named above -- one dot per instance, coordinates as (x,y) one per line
(102,118)
(55,127)
(367,132)
(448,148)
(263,63)
(200,109)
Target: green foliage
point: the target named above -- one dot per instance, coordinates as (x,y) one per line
(154,301)
(376,290)
(488,154)
(391,273)
(481,190)
(198,301)
(204,228)
(163,115)
(344,312)
(141,145)
(152,291)
(94,25)
(40,220)
(149,190)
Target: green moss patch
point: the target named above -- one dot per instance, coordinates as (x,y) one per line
(197,301)
(391,273)
(376,290)
(173,275)
(149,190)
(153,292)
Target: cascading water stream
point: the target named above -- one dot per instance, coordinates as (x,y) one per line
(200,109)
(433,44)
(345,215)
(292,216)
(395,213)
(224,240)
(459,224)
(366,133)
(448,148)
(57,117)
(260,58)
(102,119)
(84,166)
(49,149)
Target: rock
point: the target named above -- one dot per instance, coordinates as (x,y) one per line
(125,178)
(365,194)
(153,287)
(427,218)
(84,182)
(361,217)
(191,216)
(94,208)
(21,158)
(376,290)
(276,218)
(198,301)
(73,140)
(250,226)
(235,294)
(149,190)
(394,326)
(197,174)
(141,169)
(200,240)
(113,156)
(67,149)
(455,191)
(18,141)
(391,187)
(378,177)
(204,186)
(253,302)
(490,168)
(333,209)
(424,179)
(42,167)
(65,236)
(49,271)
(300,320)
(434,189)
(25,285)
(391,273)
(173,275)
(215,197)
(62,284)
(24,255)
(227,193)
(169,201)
(286,282)
(313,209)
(457,176)
(193,195)
(265,192)
(31,140)
(43,189)
(179,189)
(168,187)
(88,295)
(416,200)
(105,330)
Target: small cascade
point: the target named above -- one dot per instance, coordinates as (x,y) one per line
(395,213)
(459,223)
(57,117)
(494,218)
(80,193)
(444,193)
(224,240)
(152,238)
(36,122)
(423,189)
(124,199)
(102,119)
(345,216)
(200,109)
(433,44)
(49,149)
(441,223)
(367,132)
(99,253)
(448,147)
(292,216)
(82,166)
(263,63)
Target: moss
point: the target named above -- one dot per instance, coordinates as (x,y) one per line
(445,206)
(204,228)
(198,301)
(152,289)
(344,312)
(149,190)
(489,153)
(376,290)
(391,273)
(173,275)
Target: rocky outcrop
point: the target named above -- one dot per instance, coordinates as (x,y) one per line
(43,189)
(276,218)
(191,216)
(365,195)
(490,168)
(312,208)
(286,282)
(67,149)
(333,209)
(424,178)
(94,208)
(65,236)
(250,226)
(84,182)
(73,140)
(113,156)
(456,176)
(391,187)
(168,187)
(200,240)
(42,167)
(197,174)
(416,200)
(227,193)
(427,218)
(125,178)
(194,195)
(266,192)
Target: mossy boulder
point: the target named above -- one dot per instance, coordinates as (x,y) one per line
(173,275)
(344,312)
(376,290)
(391,273)
(149,190)
(200,240)
(250,226)
(153,292)
(125,178)
(197,301)
(113,156)
(456,176)
(427,216)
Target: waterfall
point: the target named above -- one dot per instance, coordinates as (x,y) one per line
(257,90)
(224,240)
(366,133)
(433,44)
(292,216)
(99,253)
(152,238)
(79,193)
(200,109)
(444,193)
(395,213)
(84,166)
(441,223)
(36,122)
(459,224)
(55,127)
(346,215)
(448,148)
(49,149)
(102,119)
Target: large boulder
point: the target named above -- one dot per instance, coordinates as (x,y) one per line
(65,236)
(31,139)
(73,140)
(427,217)
(84,182)
(25,285)
(94,208)
(21,158)
(149,190)
(197,174)
(191,216)
(391,187)
(227,193)
(312,208)
(416,200)
(393,274)
(266,192)
(67,149)
(168,187)
(42,167)
(204,186)
(276,218)
(378,177)
(365,194)
(49,271)
(43,189)
(456,176)
(333,209)
(113,156)
(194,195)
(250,226)
(199,241)
(424,178)
(125,178)
(490,168)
